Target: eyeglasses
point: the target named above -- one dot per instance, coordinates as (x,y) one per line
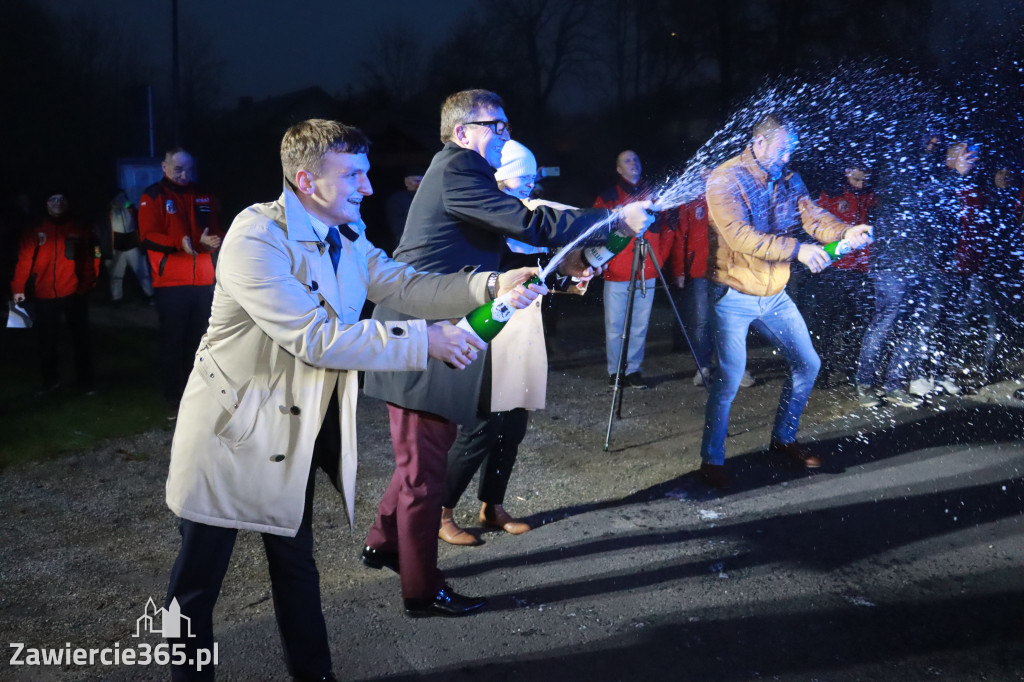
(497,127)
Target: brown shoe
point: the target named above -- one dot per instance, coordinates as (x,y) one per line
(495,516)
(451,533)
(714,475)
(795,453)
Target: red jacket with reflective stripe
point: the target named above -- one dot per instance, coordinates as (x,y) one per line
(64,263)
(168,212)
(853,208)
(659,235)
(690,246)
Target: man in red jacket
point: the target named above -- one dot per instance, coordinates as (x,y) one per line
(628,189)
(179,230)
(55,263)
(844,295)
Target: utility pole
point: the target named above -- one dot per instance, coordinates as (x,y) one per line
(175,77)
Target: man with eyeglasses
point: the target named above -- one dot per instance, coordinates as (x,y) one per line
(459,220)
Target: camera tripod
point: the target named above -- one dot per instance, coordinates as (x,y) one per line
(641,250)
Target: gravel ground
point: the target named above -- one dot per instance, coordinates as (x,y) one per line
(902,559)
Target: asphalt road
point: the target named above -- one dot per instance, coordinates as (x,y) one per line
(901,559)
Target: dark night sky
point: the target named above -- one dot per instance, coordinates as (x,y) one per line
(267,49)
(271,47)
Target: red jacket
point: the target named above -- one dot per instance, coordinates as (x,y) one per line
(690,246)
(659,235)
(60,254)
(168,212)
(973,246)
(853,208)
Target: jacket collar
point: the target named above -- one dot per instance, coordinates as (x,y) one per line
(754,167)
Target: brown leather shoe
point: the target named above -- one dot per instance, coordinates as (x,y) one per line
(495,516)
(451,533)
(714,475)
(795,453)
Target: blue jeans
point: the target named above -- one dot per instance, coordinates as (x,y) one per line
(907,307)
(890,298)
(697,314)
(615,297)
(779,321)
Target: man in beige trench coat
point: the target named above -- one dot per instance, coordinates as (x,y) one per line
(273,391)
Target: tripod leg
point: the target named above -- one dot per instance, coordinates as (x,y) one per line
(639,251)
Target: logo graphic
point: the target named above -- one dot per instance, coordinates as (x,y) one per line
(843,206)
(169,207)
(701,212)
(501,311)
(169,620)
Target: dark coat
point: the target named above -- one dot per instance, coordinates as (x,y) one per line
(459,219)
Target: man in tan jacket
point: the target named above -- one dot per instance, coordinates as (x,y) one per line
(272,395)
(755,204)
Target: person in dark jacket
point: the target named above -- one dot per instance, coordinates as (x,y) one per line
(55,270)
(459,219)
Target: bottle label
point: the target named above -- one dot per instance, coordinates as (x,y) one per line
(596,256)
(464,325)
(501,311)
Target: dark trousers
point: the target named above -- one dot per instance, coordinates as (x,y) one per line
(493,443)
(839,309)
(294,580)
(75,310)
(184,313)
(409,514)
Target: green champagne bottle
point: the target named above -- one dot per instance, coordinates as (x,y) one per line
(596,256)
(837,250)
(490,318)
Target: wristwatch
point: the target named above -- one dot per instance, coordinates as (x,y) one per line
(492,285)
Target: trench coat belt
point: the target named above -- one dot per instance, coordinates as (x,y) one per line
(214,378)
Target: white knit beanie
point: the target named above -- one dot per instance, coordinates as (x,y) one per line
(516,161)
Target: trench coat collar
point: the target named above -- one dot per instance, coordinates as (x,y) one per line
(298,225)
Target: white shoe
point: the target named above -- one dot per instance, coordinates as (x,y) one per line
(921,386)
(747,381)
(948,385)
(702,377)
(903,399)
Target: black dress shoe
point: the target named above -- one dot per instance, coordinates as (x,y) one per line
(377,558)
(446,603)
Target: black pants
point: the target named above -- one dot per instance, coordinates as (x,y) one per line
(184,315)
(47,314)
(492,442)
(294,579)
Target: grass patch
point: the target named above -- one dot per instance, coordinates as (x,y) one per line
(128,400)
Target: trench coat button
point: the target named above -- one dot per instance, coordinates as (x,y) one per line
(277,458)
(294,409)
(314,286)
(398,331)
(323,303)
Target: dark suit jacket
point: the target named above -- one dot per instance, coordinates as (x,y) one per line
(459,219)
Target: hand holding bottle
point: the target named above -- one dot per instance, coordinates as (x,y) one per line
(521,296)
(637,216)
(814,257)
(858,236)
(452,345)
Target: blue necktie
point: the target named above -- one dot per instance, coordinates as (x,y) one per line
(334,246)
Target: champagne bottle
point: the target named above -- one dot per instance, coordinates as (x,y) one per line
(490,318)
(596,256)
(838,249)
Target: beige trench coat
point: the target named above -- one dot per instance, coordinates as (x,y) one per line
(284,332)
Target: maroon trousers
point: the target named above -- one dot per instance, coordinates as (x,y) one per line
(409,515)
